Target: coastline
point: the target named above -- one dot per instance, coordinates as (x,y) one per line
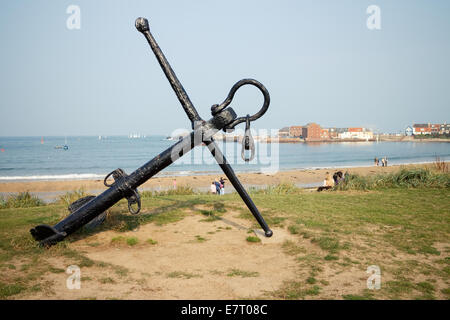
(201,181)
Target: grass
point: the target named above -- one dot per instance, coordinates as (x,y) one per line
(179,190)
(71,196)
(403,228)
(182,274)
(131,241)
(151,241)
(404,178)
(253,239)
(440,165)
(21,200)
(282,188)
(242,273)
(200,239)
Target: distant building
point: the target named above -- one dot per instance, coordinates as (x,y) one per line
(295,131)
(356,133)
(325,133)
(283,132)
(421,128)
(408,131)
(433,129)
(314,132)
(332,132)
(311,132)
(445,128)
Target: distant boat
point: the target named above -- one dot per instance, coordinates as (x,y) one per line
(64,147)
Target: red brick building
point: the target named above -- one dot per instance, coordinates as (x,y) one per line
(311,132)
(421,129)
(355,129)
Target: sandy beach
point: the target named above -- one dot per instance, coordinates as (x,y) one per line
(298,177)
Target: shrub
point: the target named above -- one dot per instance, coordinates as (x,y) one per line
(279,189)
(72,196)
(405,178)
(21,200)
(179,190)
(440,165)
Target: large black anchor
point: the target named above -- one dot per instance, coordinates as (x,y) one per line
(91,210)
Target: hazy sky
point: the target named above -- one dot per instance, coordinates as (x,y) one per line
(317,58)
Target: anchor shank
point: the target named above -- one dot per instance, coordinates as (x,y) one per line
(142,26)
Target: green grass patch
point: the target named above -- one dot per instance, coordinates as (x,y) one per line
(151,241)
(72,196)
(404,178)
(253,239)
(7,290)
(107,280)
(21,200)
(131,241)
(330,257)
(242,273)
(181,274)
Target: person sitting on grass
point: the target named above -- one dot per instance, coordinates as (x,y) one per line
(328,183)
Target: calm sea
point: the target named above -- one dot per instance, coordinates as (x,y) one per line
(27,158)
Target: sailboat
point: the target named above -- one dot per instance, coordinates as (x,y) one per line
(65,146)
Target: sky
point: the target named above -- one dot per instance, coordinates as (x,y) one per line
(318,59)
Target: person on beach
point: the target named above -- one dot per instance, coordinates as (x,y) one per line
(213,188)
(222,184)
(174,183)
(335,178)
(217,184)
(340,177)
(385,161)
(375,161)
(328,183)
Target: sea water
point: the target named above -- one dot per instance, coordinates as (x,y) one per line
(36,158)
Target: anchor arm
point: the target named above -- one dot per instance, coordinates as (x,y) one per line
(229,172)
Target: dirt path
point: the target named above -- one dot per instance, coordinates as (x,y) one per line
(181,265)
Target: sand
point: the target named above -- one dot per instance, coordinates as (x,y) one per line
(199,181)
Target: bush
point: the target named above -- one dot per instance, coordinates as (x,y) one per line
(440,165)
(72,196)
(279,189)
(404,178)
(179,190)
(21,200)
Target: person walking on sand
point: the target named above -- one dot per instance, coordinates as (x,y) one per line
(213,188)
(375,161)
(382,162)
(385,161)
